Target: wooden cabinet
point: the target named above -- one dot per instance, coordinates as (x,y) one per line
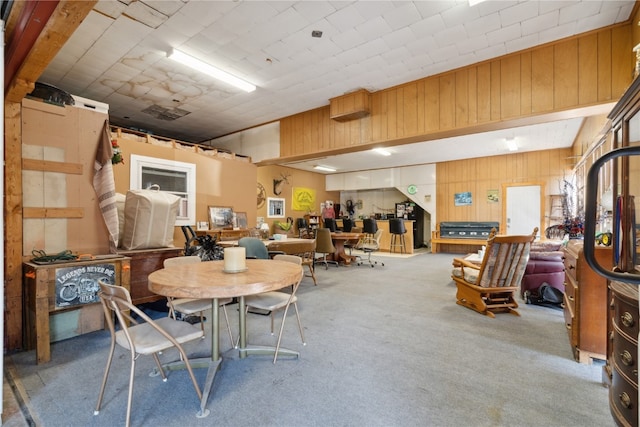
(54,289)
(622,353)
(354,105)
(585,303)
(143,263)
(313,221)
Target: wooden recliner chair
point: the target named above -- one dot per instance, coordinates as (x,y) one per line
(491,286)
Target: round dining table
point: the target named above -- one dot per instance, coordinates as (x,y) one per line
(209,280)
(339,239)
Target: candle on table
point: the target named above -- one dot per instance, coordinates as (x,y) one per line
(235,259)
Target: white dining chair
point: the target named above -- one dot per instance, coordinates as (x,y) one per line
(191,306)
(277,300)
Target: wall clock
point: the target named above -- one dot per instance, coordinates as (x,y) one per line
(262,195)
(412,189)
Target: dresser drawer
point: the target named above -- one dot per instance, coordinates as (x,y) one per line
(571,291)
(570,321)
(570,263)
(625,313)
(623,398)
(625,355)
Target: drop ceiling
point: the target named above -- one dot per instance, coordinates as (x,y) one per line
(118,56)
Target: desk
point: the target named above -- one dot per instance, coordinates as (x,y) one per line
(267,243)
(207,280)
(339,239)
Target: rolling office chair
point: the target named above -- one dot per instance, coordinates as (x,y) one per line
(347,225)
(255,248)
(324,246)
(370,245)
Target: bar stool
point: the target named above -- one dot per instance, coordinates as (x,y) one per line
(369,227)
(397,229)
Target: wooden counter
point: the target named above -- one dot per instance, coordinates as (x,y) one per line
(385,240)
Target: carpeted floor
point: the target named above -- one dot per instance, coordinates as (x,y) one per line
(386,346)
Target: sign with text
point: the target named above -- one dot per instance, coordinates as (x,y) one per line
(79,285)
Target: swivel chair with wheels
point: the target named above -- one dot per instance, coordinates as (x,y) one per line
(347,225)
(324,246)
(369,245)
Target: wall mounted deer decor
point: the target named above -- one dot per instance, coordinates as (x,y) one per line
(279,183)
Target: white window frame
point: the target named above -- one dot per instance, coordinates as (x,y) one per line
(187,208)
(275,207)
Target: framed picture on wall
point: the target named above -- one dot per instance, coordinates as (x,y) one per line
(462,199)
(220,217)
(275,207)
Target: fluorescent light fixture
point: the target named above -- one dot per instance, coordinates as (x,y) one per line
(210,70)
(511,144)
(475,2)
(382,151)
(324,168)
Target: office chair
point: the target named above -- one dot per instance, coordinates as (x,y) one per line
(255,248)
(324,246)
(347,225)
(369,245)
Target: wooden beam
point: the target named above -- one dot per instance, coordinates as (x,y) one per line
(41,30)
(52,212)
(50,166)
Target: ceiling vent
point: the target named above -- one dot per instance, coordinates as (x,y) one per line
(167,114)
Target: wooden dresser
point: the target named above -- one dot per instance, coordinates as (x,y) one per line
(143,263)
(585,302)
(622,353)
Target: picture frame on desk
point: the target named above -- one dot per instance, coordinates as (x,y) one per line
(240,220)
(202,225)
(220,217)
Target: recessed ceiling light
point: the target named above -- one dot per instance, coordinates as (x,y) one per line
(382,151)
(324,168)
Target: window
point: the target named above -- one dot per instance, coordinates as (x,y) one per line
(174,177)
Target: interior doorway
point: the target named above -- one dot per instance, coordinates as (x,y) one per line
(523,208)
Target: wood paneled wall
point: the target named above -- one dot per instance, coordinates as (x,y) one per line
(581,71)
(490,173)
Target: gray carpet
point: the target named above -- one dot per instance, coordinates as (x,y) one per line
(387,346)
